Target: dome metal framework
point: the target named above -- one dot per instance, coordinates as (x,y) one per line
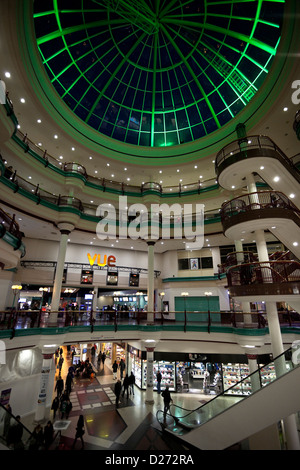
(157,72)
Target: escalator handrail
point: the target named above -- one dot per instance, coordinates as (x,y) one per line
(223,393)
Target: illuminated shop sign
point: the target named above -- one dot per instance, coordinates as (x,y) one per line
(102,260)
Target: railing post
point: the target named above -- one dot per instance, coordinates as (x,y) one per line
(184,320)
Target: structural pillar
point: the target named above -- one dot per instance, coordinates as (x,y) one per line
(245,305)
(289,423)
(150,290)
(255,380)
(149,384)
(47,366)
(65,230)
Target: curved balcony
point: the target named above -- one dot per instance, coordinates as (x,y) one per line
(254,154)
(104,184)
(255,206)
(10,233)
(268,278)
(296,125)
(72,167)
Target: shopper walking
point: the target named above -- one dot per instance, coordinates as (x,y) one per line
(69,382)
(118,388)
(48,435)
(122,368)
(167,400)
(126,386)
(158,379)
(68,408)
(115,369)
(131,383)
(54,406)
(103,357)
(59,386)
(79,431)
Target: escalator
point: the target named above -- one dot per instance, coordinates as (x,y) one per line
(232,417)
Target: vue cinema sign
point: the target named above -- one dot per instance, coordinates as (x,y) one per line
(102,260)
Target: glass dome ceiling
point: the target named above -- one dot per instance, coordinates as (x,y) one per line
(157,72)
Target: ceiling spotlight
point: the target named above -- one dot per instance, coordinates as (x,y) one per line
(22,100)
(276,179)
(262,168)
(285,109)
(39,121)
(292,196)
(295,243)
(55,136)
(7,74)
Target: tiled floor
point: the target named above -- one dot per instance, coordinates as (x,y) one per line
(131,426)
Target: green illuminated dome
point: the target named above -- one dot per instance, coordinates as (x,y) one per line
(157,72)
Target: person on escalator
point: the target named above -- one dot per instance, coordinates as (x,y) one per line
(167,400)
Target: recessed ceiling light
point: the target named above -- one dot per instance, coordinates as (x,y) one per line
(73,148)
(61,157)
(160,171)
(128,179)
(22,100)
(178,171)
(273,227)
(107,164)
(276,179)
(295,243)
(91,158)
(125,169)
(55,136)
(232,187)
(262,168)
(7,74)
(285,109)
(29,177)
(39,121)
(292,196)
(200,176)
(195,166)
(180,181)
(91,202)
(96,171)
(40,144)
(18,126)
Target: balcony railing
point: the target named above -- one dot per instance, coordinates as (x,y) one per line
(244,145)
(8,224)
(276,272)
(34,321)
(256,201)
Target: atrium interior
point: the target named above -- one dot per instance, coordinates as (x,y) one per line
(150,211)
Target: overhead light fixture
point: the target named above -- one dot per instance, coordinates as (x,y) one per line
(292,195)
(22,100)
(276,179)
(285,109)
(7,74)
(295,243)
(262,168)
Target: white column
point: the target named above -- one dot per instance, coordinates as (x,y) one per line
(255,381)
(65,230)
(290,426)
(95,301)
(47,366)
(149,384)
(150,290)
